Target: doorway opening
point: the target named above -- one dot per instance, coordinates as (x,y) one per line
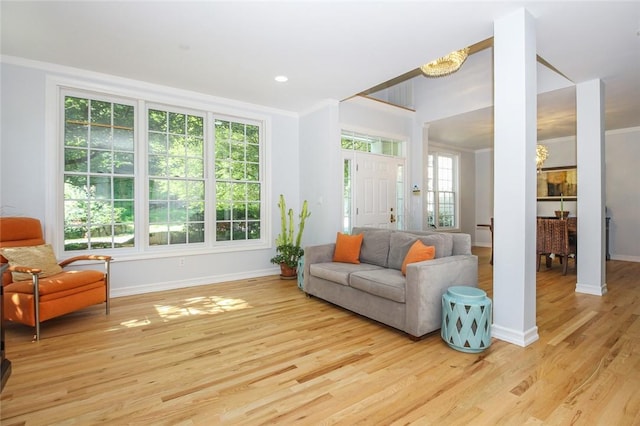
(374,182)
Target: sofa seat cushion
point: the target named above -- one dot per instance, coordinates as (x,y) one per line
(339,272)
(386,283)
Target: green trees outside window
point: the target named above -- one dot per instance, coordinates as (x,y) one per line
(99,182)
(238,187)
(175,146)
(192,175)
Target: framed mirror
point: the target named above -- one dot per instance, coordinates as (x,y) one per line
(556,182)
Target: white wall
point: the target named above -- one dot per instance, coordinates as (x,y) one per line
(622,187)
(376,118)
(321,173)
(23,181)
(484,197)
(467,192)
(22,136)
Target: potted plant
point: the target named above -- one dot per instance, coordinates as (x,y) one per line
(288,249)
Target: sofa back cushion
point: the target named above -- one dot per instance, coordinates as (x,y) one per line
(400,243)
(375,245)
(461,243)
(443,242)
(387,248)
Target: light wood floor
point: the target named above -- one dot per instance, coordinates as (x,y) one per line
(260,352)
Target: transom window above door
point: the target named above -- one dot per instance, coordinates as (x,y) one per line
(372,144)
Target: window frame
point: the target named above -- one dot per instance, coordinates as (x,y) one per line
(455,157)
(59,87)
(88,173)
(260,181)
(170,109)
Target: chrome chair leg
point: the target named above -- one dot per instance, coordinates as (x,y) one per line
(36,302)
(107,278)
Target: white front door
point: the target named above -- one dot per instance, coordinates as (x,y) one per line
(375,198)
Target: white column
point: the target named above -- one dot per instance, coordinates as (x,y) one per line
(515,119)
(417,164)
(591,188)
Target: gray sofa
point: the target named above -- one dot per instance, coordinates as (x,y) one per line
(376,288)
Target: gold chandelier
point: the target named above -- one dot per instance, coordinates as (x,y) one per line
(541,155)
(446,65)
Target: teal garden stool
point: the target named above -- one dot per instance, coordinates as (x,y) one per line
(301,273)
(466,319)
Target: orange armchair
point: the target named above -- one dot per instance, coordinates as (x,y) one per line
(33,295)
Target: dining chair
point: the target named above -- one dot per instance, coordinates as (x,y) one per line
(552,238)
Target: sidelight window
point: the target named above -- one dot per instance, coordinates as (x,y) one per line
(442,191)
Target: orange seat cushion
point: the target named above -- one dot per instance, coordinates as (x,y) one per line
(63,282)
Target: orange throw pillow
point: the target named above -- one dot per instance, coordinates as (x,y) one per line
(417,253)
(348,248)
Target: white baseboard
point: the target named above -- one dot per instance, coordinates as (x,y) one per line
(520,338)
(595,290)
(625,258)
(173,285)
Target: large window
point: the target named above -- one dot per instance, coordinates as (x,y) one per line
(200,181)
(99,185)
(176,177)
(442,190)
(237,164)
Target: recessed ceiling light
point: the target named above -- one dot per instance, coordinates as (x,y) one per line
(282,78)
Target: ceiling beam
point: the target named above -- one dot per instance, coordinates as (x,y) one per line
(474,48)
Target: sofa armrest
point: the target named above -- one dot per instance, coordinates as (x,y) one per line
(426,283)
(316,254)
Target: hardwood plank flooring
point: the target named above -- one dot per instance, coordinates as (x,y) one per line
(259,352)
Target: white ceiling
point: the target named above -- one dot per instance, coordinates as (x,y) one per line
(332,49)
